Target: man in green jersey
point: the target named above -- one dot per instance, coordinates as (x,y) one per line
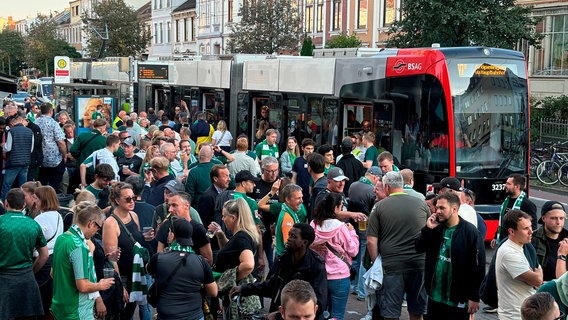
(75,286)
(19,295)
(453,273)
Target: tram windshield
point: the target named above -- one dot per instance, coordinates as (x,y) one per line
(490,104)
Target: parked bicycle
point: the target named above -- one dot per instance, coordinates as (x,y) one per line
(548,171)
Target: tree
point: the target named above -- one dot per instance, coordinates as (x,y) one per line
(127,36)
(307,47)
(266,26)
(343,41)
(43,44)
(11,49)
(493,23)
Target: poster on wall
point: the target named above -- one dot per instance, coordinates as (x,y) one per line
(89,108)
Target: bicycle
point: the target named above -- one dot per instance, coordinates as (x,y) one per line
(548,170)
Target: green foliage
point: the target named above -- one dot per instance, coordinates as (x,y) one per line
(127,36)
(343,41)
(547,108)
(307,47)
(11,50)
(266,27)
(493,23)
(43,44)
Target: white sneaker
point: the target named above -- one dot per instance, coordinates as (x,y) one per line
(368,316)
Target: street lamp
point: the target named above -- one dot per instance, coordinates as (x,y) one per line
(103,36)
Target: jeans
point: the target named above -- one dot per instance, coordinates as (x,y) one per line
(358,283)
(52,176)
(17,174)
(145,310)
(337,295)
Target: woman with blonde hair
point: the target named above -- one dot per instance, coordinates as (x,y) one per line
(52,226)
(222,137)
(289,156)
(31,208)
(261,132)
(151,152)
(238,254)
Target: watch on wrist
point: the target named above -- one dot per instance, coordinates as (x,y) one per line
(270,195)
(562,257)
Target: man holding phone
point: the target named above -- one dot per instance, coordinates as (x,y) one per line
(452,273)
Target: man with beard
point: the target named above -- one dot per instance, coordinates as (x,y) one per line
(269,169)
(516,199)
(547,239)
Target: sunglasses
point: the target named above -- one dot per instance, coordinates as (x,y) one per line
(98,225)
(129,199)
(561,317)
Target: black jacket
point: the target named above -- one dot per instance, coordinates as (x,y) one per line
(310,269)
(466,251)
(352,168)
(154,195)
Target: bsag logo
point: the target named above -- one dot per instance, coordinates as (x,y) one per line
(415,66)
(399,66)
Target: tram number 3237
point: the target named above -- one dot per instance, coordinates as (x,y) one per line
(498,187)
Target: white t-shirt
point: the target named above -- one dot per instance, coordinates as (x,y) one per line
(226,139)
(468,213)
(511,263)
(51,224)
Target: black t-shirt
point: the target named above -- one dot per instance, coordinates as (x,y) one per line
(228,256)
(133,164)
(199,236)
(181,298)
(526,206)
(260,190)
(303,177)
(549,267)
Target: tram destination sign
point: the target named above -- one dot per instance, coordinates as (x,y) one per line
(152,72)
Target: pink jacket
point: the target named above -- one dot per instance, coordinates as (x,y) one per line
(345,242)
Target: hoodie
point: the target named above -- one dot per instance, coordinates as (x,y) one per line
(345,242)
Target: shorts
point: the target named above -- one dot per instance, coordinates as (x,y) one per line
(392,292)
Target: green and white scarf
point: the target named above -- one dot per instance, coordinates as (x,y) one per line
(516,206)
(175,246)
(139,286)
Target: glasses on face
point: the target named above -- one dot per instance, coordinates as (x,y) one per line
(123,138)
(129,199)
(561,317)
(98,225)
(270,171)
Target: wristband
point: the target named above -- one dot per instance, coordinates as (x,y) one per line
(562,257)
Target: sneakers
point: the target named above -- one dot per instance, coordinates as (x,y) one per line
(368,316)
(490,309)
(360,298)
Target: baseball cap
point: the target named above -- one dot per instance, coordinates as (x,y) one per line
(245,175)
(336,174)
(347,144)
(182,230)
(174,186)
(129,141)
(450,183)
(376,171)
(549,206)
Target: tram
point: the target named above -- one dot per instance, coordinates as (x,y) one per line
(460,112)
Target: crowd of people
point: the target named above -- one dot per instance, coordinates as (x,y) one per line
(171,209)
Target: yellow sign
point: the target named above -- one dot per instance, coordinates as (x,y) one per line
(62,63)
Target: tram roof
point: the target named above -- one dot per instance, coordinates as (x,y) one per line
(85,86)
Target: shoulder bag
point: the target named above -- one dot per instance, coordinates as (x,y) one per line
(352,271)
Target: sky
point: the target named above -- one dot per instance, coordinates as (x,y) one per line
(30,8)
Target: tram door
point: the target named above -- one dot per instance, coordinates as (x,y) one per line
(260,119)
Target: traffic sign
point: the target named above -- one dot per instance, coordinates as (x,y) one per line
(62,68)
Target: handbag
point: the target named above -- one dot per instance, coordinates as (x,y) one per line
(154,291)
(352,271)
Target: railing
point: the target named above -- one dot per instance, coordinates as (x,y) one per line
(553,130)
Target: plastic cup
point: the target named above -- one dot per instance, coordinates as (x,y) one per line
(210,233)
(108,273)
(362,225)
(146,229)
